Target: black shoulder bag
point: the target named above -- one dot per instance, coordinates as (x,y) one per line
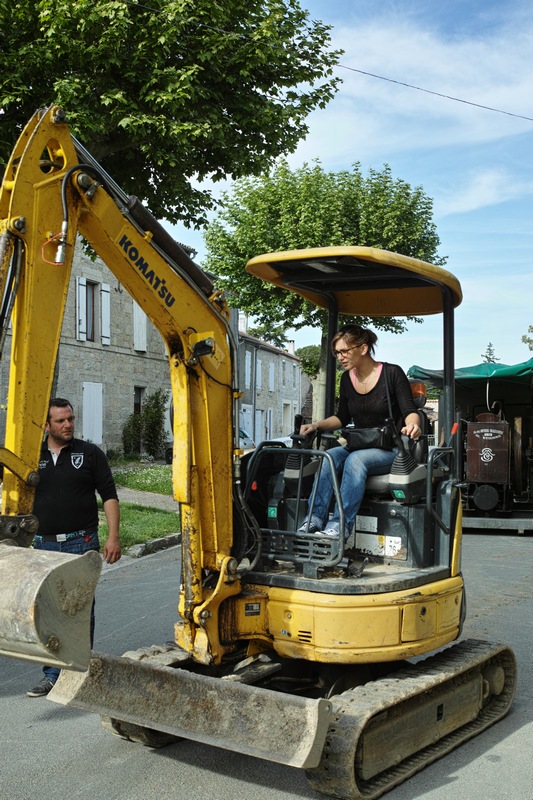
(364,438)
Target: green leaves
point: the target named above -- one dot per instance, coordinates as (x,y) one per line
(308,207)
(170,90)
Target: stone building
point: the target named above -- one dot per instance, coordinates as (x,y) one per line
(110,356)
(273,387)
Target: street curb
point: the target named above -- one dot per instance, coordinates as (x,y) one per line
(154,546)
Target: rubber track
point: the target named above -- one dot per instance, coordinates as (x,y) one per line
(335,776)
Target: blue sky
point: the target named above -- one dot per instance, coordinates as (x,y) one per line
(476,164)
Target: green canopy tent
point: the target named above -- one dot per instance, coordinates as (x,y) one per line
(506,390)
(477,388)
(466,376)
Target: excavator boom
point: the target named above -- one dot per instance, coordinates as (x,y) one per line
(52,193)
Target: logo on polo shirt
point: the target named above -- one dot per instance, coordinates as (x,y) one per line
(76,459)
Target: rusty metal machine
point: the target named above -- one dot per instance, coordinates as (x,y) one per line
(494,411)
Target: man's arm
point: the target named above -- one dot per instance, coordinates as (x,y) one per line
(112,551)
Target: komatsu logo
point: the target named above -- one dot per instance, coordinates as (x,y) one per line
(143,266)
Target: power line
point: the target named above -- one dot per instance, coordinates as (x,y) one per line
(438,94)
(138,4)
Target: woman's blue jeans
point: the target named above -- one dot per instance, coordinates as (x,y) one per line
(355,467)
(78,547)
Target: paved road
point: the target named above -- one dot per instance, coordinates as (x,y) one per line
(52,753)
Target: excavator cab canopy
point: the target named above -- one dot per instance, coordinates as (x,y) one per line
(368,282)
(361,281)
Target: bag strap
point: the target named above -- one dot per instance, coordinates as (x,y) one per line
(387,389)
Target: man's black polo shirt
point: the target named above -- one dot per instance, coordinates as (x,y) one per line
(65,499)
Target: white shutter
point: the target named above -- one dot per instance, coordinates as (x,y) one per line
(81,309)
(139,328)
(105,307)
(258,374)
(92,412)
(246,418)
(259,433)
(271,375)
(248,369)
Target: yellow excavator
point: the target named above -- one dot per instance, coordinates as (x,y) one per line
(289,645)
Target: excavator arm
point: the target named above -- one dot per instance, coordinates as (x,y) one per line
(52,193)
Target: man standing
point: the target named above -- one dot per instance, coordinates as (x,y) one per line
(71,471)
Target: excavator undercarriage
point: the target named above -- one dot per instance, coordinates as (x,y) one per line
(357,743)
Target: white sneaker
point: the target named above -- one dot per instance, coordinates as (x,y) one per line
(331,529)
(308,527)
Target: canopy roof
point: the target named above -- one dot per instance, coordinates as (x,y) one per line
(481,373)
(362,280)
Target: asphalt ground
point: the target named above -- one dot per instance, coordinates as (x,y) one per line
(52,752)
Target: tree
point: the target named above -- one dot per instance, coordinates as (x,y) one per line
(275,335)
(146,430)
(167,91)
(310,358)
(489,356)
(308,207)
(528,339)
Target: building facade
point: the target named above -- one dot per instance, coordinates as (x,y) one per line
(271,382)
(111,357)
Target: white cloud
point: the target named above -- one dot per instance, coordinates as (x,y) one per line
(370,117)
(484,188)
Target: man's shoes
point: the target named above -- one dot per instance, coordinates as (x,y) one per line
(41,690)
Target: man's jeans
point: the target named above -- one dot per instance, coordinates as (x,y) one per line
(355,467)
(77,546)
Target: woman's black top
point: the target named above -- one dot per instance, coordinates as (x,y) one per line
(372,409)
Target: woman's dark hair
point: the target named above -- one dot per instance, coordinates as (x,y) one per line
(355,335)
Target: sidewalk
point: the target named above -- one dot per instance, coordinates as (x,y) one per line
(151,500)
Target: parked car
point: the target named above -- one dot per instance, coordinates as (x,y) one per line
(245,443)
(245,440)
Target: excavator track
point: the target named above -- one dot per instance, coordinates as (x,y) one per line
(385,731)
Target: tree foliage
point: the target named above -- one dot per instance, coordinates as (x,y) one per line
(310,358)
(275,335)
(308,207)
(528,339)
(146,430)
(489,354)
(168,91)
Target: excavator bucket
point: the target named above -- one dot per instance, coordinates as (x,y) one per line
(45,605)
(246,719)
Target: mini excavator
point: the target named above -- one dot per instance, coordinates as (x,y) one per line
(341,658)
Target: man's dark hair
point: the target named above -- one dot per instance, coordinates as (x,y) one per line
(58,402)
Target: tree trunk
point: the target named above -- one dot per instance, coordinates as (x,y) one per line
(319,382)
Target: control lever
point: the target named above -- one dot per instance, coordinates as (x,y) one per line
(407,481)
(300,441)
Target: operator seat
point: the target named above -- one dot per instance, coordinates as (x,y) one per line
(379,484)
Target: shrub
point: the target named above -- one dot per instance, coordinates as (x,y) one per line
(147,429)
